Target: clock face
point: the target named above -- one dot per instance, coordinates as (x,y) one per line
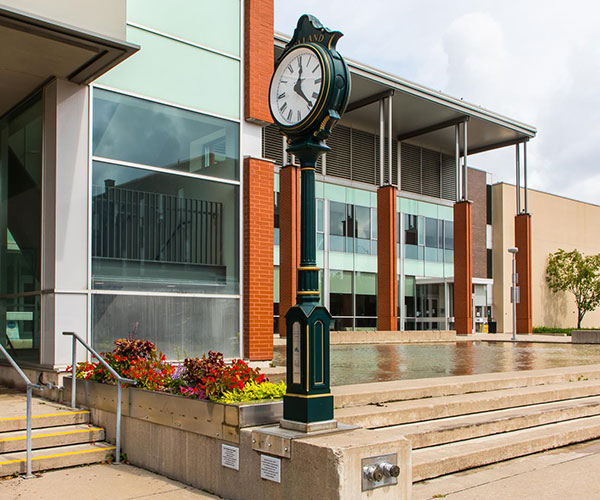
(296,86)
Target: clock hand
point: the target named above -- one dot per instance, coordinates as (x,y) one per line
(300,92)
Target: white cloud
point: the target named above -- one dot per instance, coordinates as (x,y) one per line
(536,61)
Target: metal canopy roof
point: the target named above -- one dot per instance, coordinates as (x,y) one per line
(33,50)
(417,110)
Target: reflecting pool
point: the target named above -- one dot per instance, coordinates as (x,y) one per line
(359,364)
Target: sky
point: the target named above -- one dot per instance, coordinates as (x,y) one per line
(535,61)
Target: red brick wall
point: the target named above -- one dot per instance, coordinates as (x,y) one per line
(523,243)
(289,240)
(477,195)
(258,259)
(259,59)
(387,280)
(463,268)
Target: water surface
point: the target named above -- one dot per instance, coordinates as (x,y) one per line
(359,364)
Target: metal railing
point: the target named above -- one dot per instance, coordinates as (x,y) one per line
(112,371)
(30,387)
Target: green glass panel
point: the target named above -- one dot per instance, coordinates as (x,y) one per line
(428,209)
(409,286)
(366,283)
(340,281)
(445,213)
(319,191)
(276,183)
(414,267)
(212,24)
(276,284)
(410,206)
(276,255)
(434,269)
(335,193)
(342,260)
(367,263)
(178,73)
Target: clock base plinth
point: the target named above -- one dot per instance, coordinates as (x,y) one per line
(308,410)
(292,425)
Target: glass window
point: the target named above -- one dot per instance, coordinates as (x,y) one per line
(350,221)
(448,235)
(374,223)
(440,242)
(139,131)
(276,219)
(431,232)
(163,232)
(20,229)
(409,296)
(366,294)
(319,215)
(411,229)
(411,252)
(337,218)
(340,297)
(363,222)
(180,326)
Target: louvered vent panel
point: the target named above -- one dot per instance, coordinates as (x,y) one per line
(363,157)
(395,162)
(272,143)
(291,159)
(411,168)
(338,159)
(320,165)
(448,178)
(430,173)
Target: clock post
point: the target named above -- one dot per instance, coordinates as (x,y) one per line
(309,92)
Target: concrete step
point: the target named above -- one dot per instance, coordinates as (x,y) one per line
(452,429)
(400,390)
(48,437)
(55,458)
(401,412)
(54,417)
(453,457)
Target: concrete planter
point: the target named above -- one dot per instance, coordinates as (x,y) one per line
(217,420)
(585,336)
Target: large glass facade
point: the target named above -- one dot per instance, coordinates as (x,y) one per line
(353,228)
(20,230)
(139,131)
(165,245)
(353,300)
(427,238)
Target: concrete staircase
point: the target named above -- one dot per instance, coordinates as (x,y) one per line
(458,423)
(61,436)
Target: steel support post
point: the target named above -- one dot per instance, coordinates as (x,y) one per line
(457,161)
(525,175)
(29,397)
(74,373)
(389,138)
(381,141)
(518,175)
(465,157)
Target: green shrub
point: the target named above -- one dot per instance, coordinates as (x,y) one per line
(254,391)
(551,329)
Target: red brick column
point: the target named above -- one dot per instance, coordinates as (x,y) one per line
(523,243)
(387,276)
(258,259)
(259,59)
(289,240)
(463,269)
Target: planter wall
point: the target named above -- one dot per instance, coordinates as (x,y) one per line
(217,420)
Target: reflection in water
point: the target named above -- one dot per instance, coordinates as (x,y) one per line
(359,364)
(463,358)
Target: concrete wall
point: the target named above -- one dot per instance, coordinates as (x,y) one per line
(557,222)
(105,18)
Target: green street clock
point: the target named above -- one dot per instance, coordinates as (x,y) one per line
(308,94)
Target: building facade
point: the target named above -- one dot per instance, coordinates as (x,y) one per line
(145,192)
(559,223)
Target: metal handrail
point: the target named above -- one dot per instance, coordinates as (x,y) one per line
(30,387)
(112,371)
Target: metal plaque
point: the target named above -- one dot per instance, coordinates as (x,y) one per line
(230,456)
(296,361)
(270,468)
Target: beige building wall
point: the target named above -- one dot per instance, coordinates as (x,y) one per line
(556,222)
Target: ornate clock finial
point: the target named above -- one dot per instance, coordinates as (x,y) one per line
(310,29)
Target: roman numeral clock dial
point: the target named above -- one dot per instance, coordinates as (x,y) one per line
(296,87)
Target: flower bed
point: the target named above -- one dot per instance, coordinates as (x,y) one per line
(208,377)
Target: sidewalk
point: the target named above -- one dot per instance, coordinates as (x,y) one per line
(99,482)
(565,473)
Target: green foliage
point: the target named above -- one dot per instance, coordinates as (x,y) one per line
(254,391)
(578,274)
(551,329)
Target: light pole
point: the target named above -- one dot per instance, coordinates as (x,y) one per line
(514,290)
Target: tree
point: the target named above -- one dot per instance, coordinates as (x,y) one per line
(576,273)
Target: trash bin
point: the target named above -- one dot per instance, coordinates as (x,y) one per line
(492,328)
